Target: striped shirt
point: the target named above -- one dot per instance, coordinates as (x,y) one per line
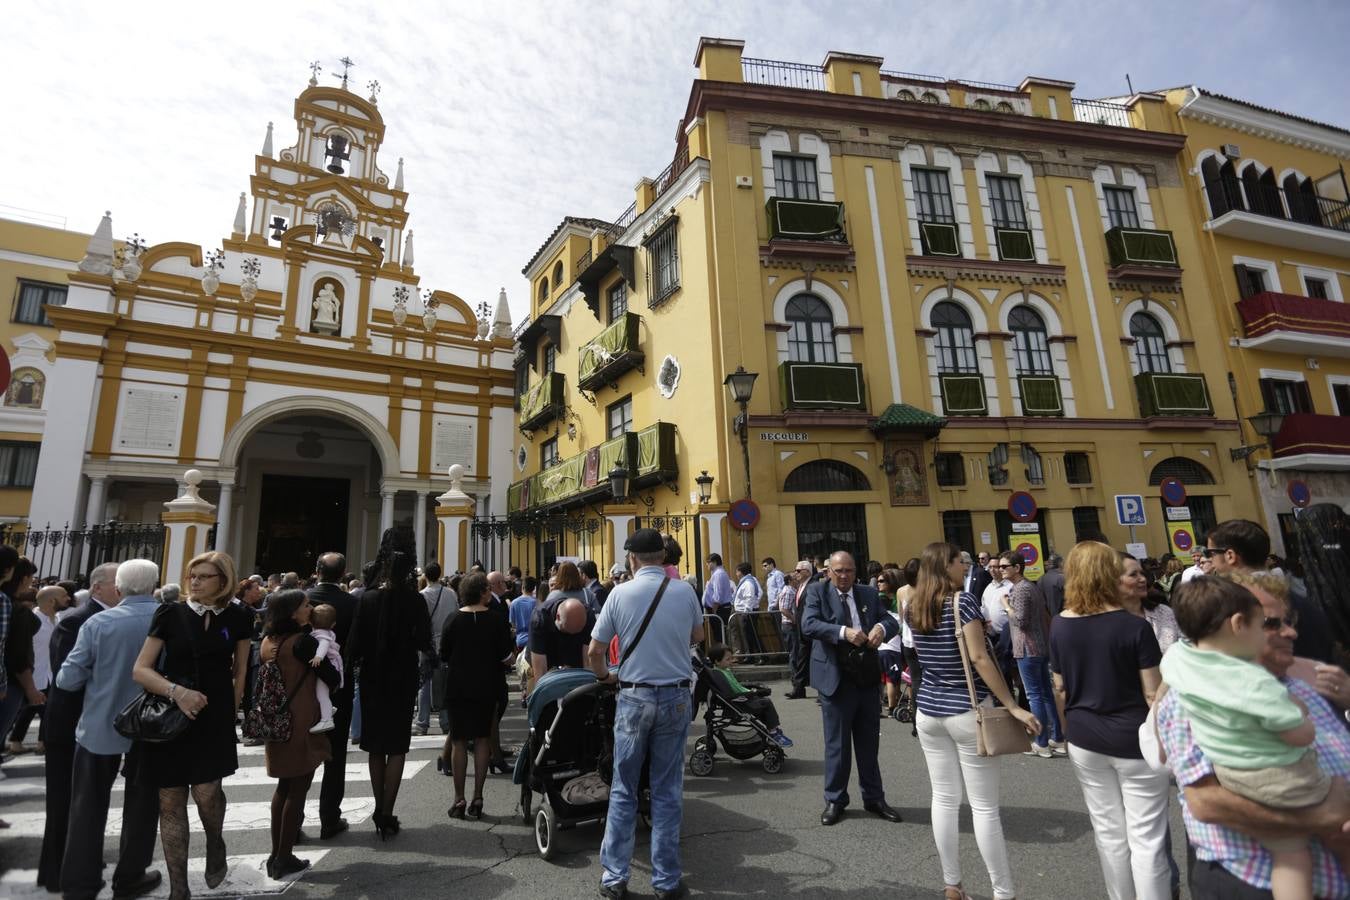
(1240,853)
(943,690)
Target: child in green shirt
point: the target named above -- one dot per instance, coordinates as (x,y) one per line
(1258,737)
(759,706)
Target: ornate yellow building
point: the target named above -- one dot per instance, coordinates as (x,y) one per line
(950,292)
(298,367)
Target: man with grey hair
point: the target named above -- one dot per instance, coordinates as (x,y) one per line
(170,593)
(102,659)
(60,718)
(290,581)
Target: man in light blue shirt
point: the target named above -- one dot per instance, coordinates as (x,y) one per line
(718,594)
(652,718)
(101,663)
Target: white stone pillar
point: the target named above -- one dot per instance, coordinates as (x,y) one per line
(420,526)
(98,493)
(621,523)
(714,520)
(187,520)
(454,512)
(224,518)
(386,510)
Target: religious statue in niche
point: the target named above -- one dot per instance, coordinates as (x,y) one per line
(25,389)
(908,479)
(327,308)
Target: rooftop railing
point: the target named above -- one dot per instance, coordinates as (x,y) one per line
(1101,112)
(783,74)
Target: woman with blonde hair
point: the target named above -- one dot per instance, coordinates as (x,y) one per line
(1105,664)
(205,642)
(946,721)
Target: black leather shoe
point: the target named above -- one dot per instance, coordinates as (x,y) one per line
(139,888)
(332,829)
(612,891)
(674,893)
(884,810)
(832,814)
(796,694)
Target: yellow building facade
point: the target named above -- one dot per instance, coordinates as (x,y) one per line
(1267,191)
(951,293)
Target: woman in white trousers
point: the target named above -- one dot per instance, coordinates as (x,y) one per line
(1105,666)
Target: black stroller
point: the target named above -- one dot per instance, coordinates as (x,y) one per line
(569,756)
(742,735)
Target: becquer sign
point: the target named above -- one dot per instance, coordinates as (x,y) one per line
(785,437)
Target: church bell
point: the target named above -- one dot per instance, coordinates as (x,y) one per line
(337,153)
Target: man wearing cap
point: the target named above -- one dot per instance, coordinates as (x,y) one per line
(656,618)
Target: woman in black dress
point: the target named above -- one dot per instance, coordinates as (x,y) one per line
(205,639)
(474,645)
(391,627)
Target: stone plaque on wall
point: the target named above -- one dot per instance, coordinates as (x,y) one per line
(452,441)
(149,419)
(908,480)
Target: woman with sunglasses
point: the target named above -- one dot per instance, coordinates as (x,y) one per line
(205,642)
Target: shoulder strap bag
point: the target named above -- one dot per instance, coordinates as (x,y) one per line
(154,718)
(997,731)
(646,620)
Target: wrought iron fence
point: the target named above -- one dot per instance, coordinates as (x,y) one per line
(66,552)
(684,527)
(783,74)
(1228,194)
(1101,112)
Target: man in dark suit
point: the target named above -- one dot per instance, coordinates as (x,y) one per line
(977,576)
(59,719)
(329,571)
(842,615)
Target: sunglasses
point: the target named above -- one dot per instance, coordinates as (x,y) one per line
(1211,552)
(1275,623)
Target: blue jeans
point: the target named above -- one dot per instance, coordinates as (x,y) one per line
(1040,697)
(649,722)
(424,698)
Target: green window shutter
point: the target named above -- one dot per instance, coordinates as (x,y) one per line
(1173,394)
(963,395)
(1014,244)
(1040,395)
(940,239)
(822,385)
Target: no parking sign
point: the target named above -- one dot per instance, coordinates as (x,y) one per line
(1182,537)
(1029,548)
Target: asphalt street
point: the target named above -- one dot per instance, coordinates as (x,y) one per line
(746,833)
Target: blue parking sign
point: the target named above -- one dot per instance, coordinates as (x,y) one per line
(1130,509)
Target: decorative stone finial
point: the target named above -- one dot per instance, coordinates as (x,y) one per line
(314,70)
(241,215)
(267,141)
(408,250)
(398,177)
(98,256)
(192,478)
(501,322)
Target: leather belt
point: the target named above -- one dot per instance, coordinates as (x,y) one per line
(642,684)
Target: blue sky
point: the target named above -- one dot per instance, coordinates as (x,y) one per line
(512,114)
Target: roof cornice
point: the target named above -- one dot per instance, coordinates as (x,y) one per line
(1272,126)
(770,98)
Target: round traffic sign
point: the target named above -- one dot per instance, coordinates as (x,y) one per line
(1022,506)
(1027,550)
(744,514)
(1173,491)
(1299,493)
(1182,538)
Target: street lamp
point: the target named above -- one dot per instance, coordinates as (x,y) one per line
(618,483)
(704,482)
(1266,424)
(742,384)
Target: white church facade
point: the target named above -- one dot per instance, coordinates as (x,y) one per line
(301,368)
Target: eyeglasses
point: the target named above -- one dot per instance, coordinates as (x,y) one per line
(1275,623)
(1211,552)
(197,576)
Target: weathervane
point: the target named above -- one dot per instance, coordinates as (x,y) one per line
(374,88)
(314,70)
(346,65)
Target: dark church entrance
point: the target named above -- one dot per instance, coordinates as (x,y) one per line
(299,518)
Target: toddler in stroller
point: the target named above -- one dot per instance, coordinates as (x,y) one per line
(740,717)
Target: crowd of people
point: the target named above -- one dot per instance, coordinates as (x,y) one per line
(1217,676)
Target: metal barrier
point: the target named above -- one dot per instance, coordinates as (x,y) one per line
(755,637)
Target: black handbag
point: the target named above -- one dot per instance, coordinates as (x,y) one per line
(152,718)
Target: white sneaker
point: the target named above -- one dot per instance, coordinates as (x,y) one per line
(1059,748)
(324,725)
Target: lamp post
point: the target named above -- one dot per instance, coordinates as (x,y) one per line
(1266,424)
(705,483)
(742,384)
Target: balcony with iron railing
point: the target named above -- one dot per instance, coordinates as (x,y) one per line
(1271,214)
(542,403)
(610,354)
(1142,253)
(1285,323)
(649,456)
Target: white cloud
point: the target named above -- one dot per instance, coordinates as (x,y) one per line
(515,114)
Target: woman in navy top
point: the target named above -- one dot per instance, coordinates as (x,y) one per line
(1105,664)
(946,721)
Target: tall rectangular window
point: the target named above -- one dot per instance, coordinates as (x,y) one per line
(950,468)
(619,417)
(663,263)
(1317,288)
(1077,468)
(18,463)
(1005,201)
(1283,396)
(1120,207)
(1250,280)
(1087,523)
(29,305)
(548,454)
(550,359)
(933,194)
(618,301)
(957,529)
(795,177)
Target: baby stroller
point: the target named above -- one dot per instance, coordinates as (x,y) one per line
(569,756)
(741,734)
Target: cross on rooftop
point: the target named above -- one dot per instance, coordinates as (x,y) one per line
(346,65)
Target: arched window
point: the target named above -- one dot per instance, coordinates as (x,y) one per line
(1302,200)
(557,275)
(930,97)
(1031,343)
(1150,345)
(826,475)
(1187,471)
(982,105)
(1004,107)
(543,290)
(906,94)
(25,389)
(955,338)
(1221,186)
(811,330)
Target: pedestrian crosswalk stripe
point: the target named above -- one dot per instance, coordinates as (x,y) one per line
(419,742)
(248,776)
(239,816)
(247,878)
